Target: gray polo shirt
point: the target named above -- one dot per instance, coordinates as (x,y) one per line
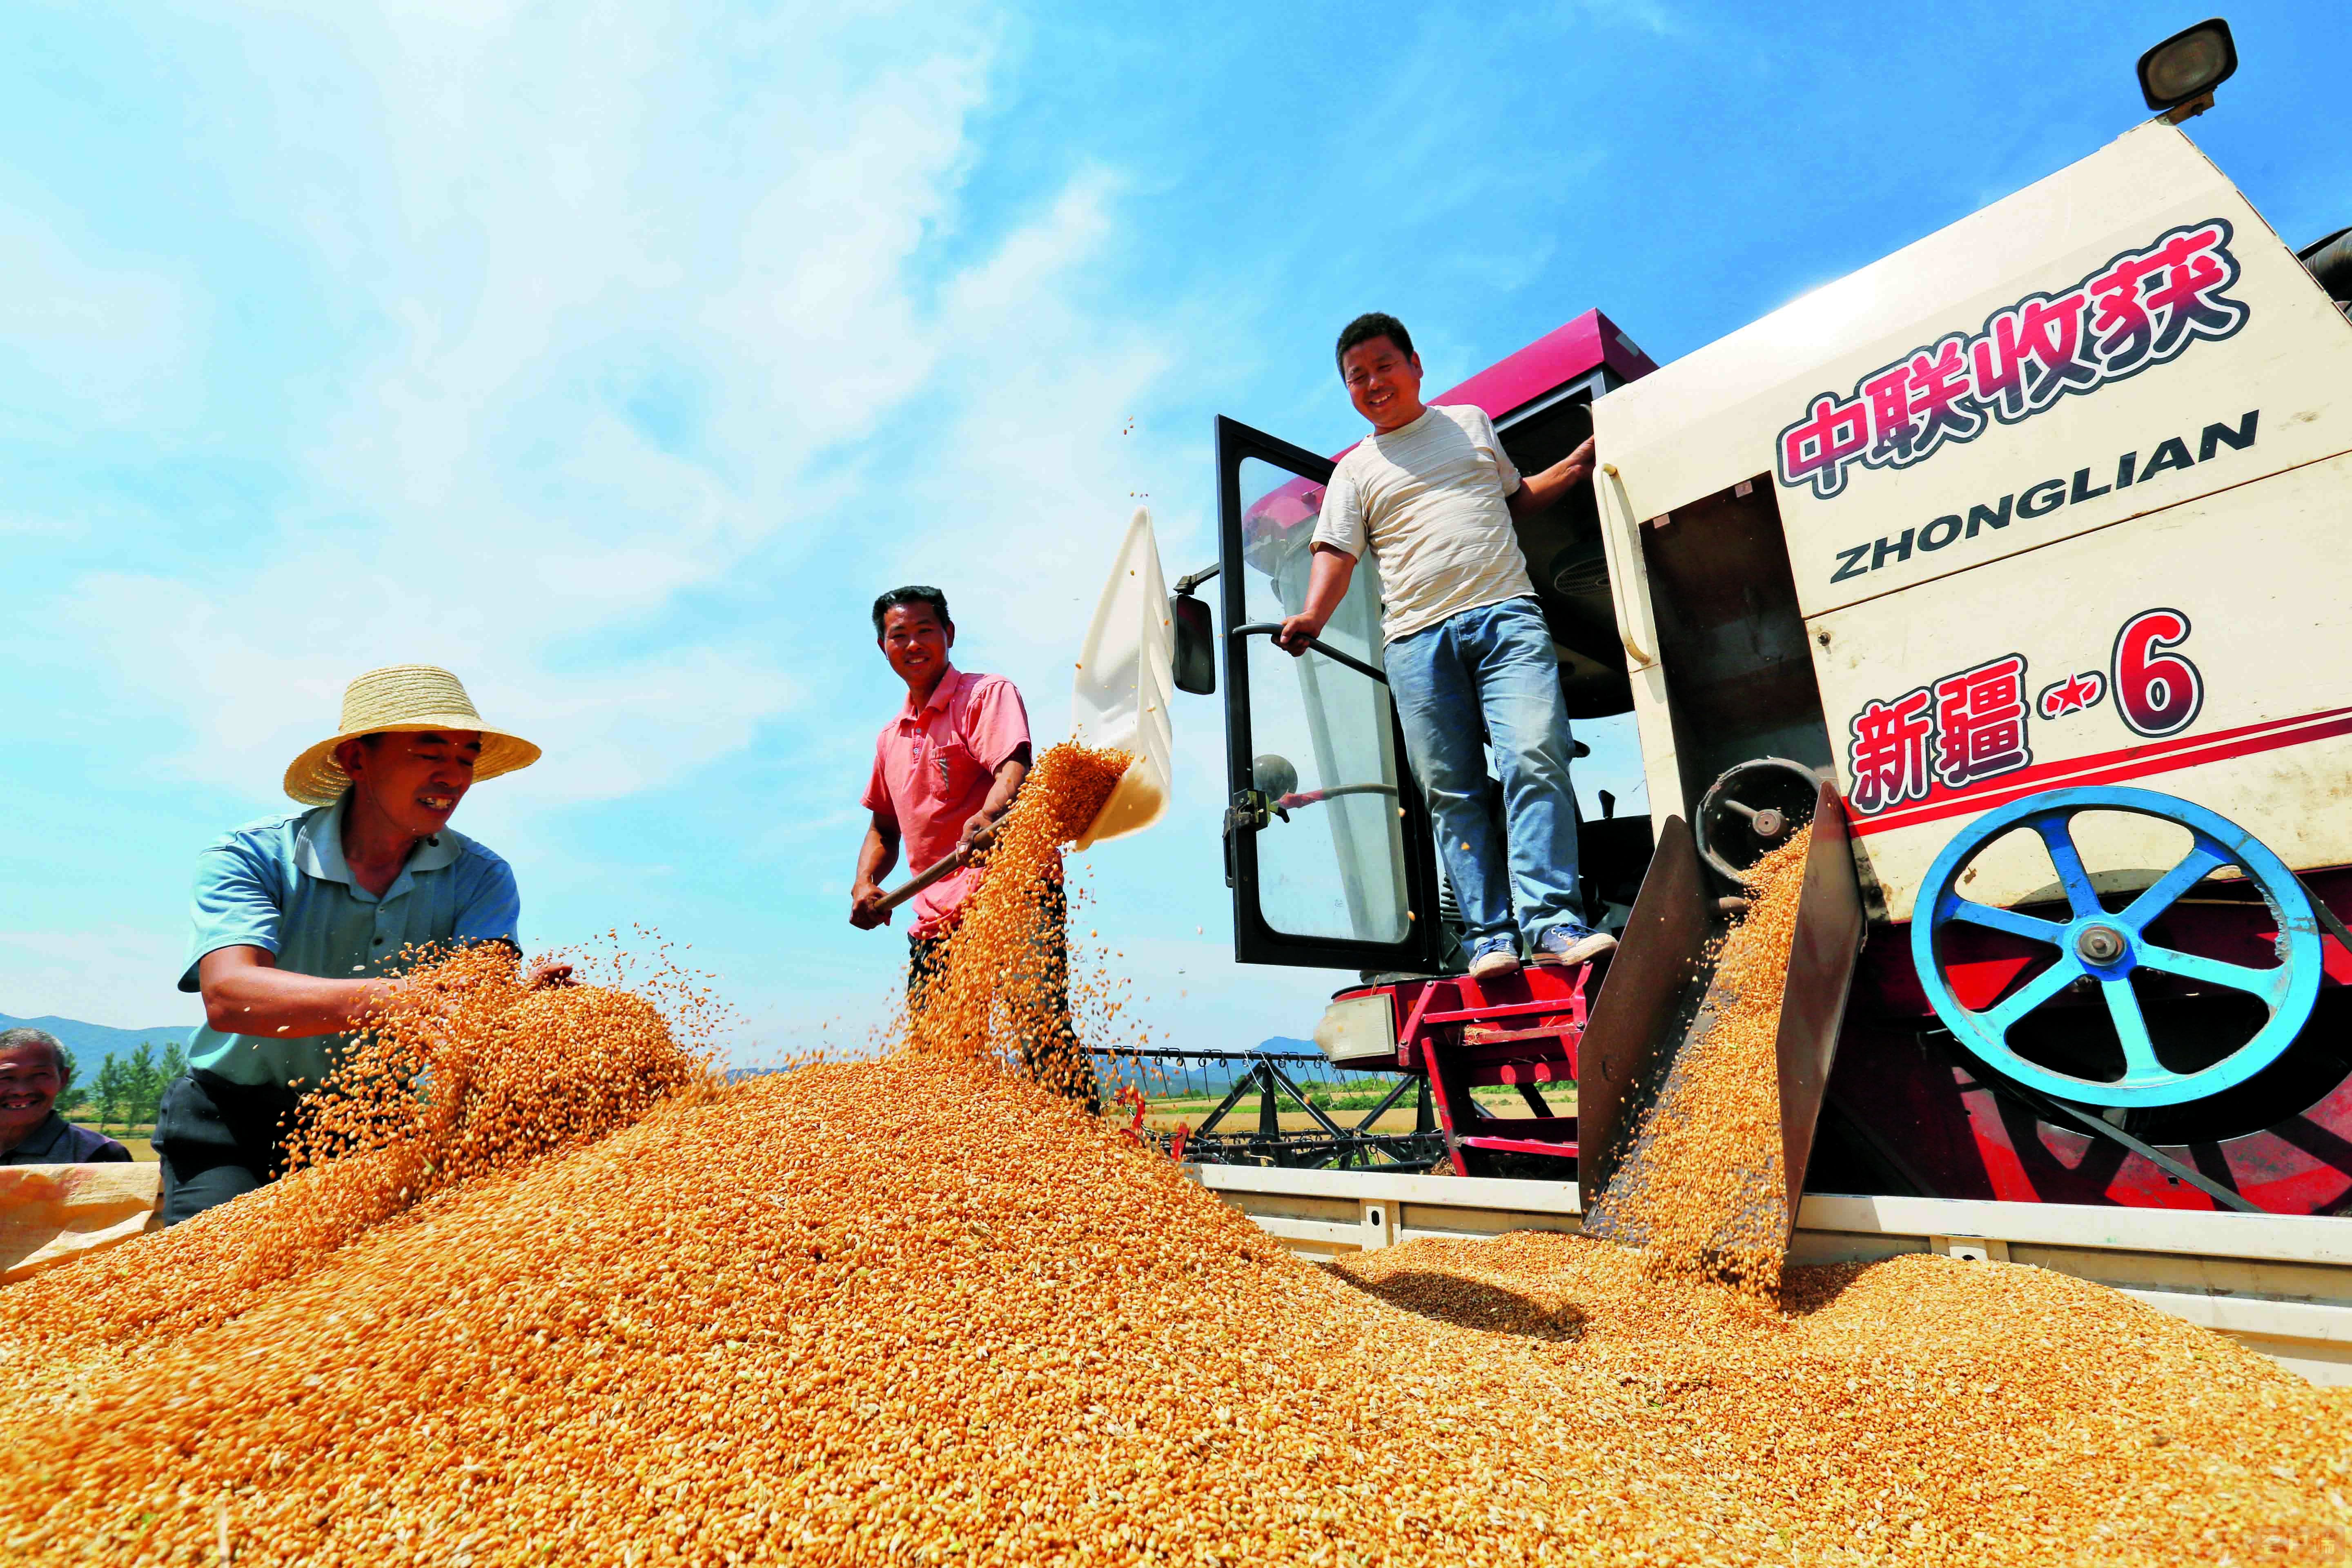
(282,885)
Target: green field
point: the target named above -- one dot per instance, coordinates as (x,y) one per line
(134,1139)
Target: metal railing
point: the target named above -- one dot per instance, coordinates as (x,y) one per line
(1196,1105)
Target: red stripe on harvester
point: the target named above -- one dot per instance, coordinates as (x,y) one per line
(2115,767)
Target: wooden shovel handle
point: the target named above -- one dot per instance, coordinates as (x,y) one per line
(939,869)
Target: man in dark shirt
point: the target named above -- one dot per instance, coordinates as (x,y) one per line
(32,1076)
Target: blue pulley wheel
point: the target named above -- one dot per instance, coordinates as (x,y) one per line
(2093,946)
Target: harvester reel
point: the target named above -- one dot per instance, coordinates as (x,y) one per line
(2096,946)
(1751,810)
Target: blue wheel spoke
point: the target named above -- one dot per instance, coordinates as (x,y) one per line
(2288,988)
(1996,918)
(2131,1029)
(2057,832)
(2266,984)
(2034,992)
(2200,863)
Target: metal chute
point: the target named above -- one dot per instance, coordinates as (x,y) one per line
(1658,1003)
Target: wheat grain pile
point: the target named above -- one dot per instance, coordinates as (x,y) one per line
(1706,1191)
(515,1074)
(919,1310)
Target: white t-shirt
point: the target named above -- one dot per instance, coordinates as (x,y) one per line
(1428,501)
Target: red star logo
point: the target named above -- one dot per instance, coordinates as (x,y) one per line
(2076,694)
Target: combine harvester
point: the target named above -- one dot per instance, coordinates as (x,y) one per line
(2010,564)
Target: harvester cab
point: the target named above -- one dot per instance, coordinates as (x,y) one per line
(2007,568)
(1327,847)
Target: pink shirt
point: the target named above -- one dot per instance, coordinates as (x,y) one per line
(934,770)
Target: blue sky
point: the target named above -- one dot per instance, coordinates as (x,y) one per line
(616,355)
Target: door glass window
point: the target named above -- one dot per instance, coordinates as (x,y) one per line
(1332,863)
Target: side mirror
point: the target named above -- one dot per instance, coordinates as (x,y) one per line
(1271,774)
(1196,644)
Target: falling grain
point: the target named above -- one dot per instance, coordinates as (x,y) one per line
(1707,1193)
(1003,995)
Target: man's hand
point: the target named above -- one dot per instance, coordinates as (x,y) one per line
(1563,475)
(979,823)
(1326,583)
(1539,491)
(865,910)
(1297,632)
(547,976)
(436,1001)
(1578,463)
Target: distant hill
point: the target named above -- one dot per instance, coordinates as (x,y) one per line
(90,1042)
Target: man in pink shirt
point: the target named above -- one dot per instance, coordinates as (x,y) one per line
(945,768)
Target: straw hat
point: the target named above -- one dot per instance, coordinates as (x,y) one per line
(402,697)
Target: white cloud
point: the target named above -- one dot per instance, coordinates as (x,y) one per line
(84,337)
(673,339)
(548,224)
(122,976)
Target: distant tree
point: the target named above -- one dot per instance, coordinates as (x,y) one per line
(142,1091)
(75,1092)
(167,1072)
(113,1086)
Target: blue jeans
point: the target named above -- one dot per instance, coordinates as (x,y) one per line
(1494,660)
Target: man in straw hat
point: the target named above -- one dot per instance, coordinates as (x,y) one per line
(301,921)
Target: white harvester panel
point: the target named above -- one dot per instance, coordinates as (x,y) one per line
(2063,488)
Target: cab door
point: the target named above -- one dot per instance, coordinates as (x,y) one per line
(1327,847)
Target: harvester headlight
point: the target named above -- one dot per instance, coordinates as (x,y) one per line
(2180,74)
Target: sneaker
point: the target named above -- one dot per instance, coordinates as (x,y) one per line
(1567,946)
(1494,957)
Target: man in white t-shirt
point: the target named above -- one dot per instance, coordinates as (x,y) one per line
(1432,493)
